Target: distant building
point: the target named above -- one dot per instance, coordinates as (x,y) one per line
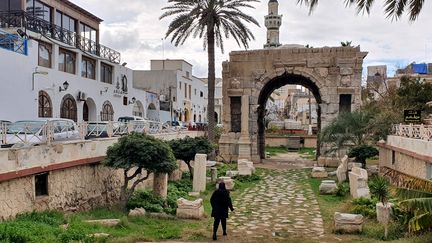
(379,84)
(174,78)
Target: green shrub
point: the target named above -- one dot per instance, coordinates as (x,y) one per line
(146,200)
(343,189)
(52,218)
(364,206)
(363,152)
(379,188)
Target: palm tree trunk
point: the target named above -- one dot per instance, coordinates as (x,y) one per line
(211,81)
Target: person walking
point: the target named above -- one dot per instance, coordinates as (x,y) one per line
(220,202)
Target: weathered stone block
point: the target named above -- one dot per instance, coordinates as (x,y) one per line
(137,212)
(104,222)
(232,173)
(358,183)
(348,223)
(190,209)
(245,167)
(229,183)
(342,169)
(327,187)
(199,179)
(319,172)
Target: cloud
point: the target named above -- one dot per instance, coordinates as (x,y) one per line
(133,28)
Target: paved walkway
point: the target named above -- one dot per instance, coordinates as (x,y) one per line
(281,206)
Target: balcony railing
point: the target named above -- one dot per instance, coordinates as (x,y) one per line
(13,43)
(21,19)
(423,132)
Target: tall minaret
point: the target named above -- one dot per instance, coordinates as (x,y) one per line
(273,22)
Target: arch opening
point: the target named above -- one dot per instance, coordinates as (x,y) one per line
(152,113)
(265,94)
(44,105)
(107,113)
(89,110)
(138,109)
(68,108)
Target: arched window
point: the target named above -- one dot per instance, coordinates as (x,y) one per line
(107,113)
(45,106)
(68,108)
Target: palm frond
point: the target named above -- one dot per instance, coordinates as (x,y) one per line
(420,222)
(410,194)
(423,204)
(406,181)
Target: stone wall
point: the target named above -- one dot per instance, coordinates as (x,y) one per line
(76,179)
(411,156)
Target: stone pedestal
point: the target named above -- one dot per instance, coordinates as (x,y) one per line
(213,175)
(342,170)
(327,187)
(245,167)
(383,212)
(229,183)
(190,209)
(348,223)
(319,172)
(199,179)
(358,179)
(232,173)
(160,185)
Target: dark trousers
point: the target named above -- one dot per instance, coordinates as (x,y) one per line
(216,225)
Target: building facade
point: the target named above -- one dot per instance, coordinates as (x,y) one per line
(183,96)
(62,70)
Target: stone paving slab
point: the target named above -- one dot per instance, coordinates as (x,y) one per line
(281,206)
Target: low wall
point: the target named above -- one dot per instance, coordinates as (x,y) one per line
(408,155)
(277,141)
(75,178)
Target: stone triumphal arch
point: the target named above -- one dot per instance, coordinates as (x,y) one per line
(333,75)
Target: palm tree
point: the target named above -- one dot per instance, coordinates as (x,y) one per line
(416,196)
(212,21)
(346,43)
(392,8)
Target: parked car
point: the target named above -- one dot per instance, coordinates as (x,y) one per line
(34,131)
(100,129)
(130,118)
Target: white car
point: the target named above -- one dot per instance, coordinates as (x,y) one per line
(35,131)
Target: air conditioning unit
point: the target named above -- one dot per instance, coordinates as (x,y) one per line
(163,98)
(81,96)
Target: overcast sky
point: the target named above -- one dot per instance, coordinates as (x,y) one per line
(133,28)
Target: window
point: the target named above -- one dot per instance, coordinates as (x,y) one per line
(174,98)
(68,108)
(41,184)
(429,171)
(187,74)
(45,106)
(65,21)
(180,85)
(66,61)
(107,113)
(87,32)
(195,92)
(393,158)
(185,89)
(344,103)
(235,114)
(39,9)
(88,68)
(190,91)
(45,51)
(201,94)
(106,73)
(10,5)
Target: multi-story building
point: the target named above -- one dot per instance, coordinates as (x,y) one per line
(53,65)
(379,84)
(173,80)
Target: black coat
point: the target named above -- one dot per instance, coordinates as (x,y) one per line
(220,202)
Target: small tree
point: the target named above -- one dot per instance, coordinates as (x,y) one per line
(363,152)
(141,153)
(379,187)
(186,148)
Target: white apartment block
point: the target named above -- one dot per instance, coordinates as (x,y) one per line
(173,79)
(53,65)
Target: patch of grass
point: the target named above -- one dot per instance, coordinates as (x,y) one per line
(307,153)
(273,151)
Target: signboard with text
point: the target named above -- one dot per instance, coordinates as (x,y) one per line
(412,116)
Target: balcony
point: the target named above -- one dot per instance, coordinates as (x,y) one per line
(21,19)
(423,132)
(13,43)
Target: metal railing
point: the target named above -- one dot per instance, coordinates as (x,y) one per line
(51,131)
(22,19)
(423,132)
(13,43)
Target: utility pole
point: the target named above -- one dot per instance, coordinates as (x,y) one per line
(171,105)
